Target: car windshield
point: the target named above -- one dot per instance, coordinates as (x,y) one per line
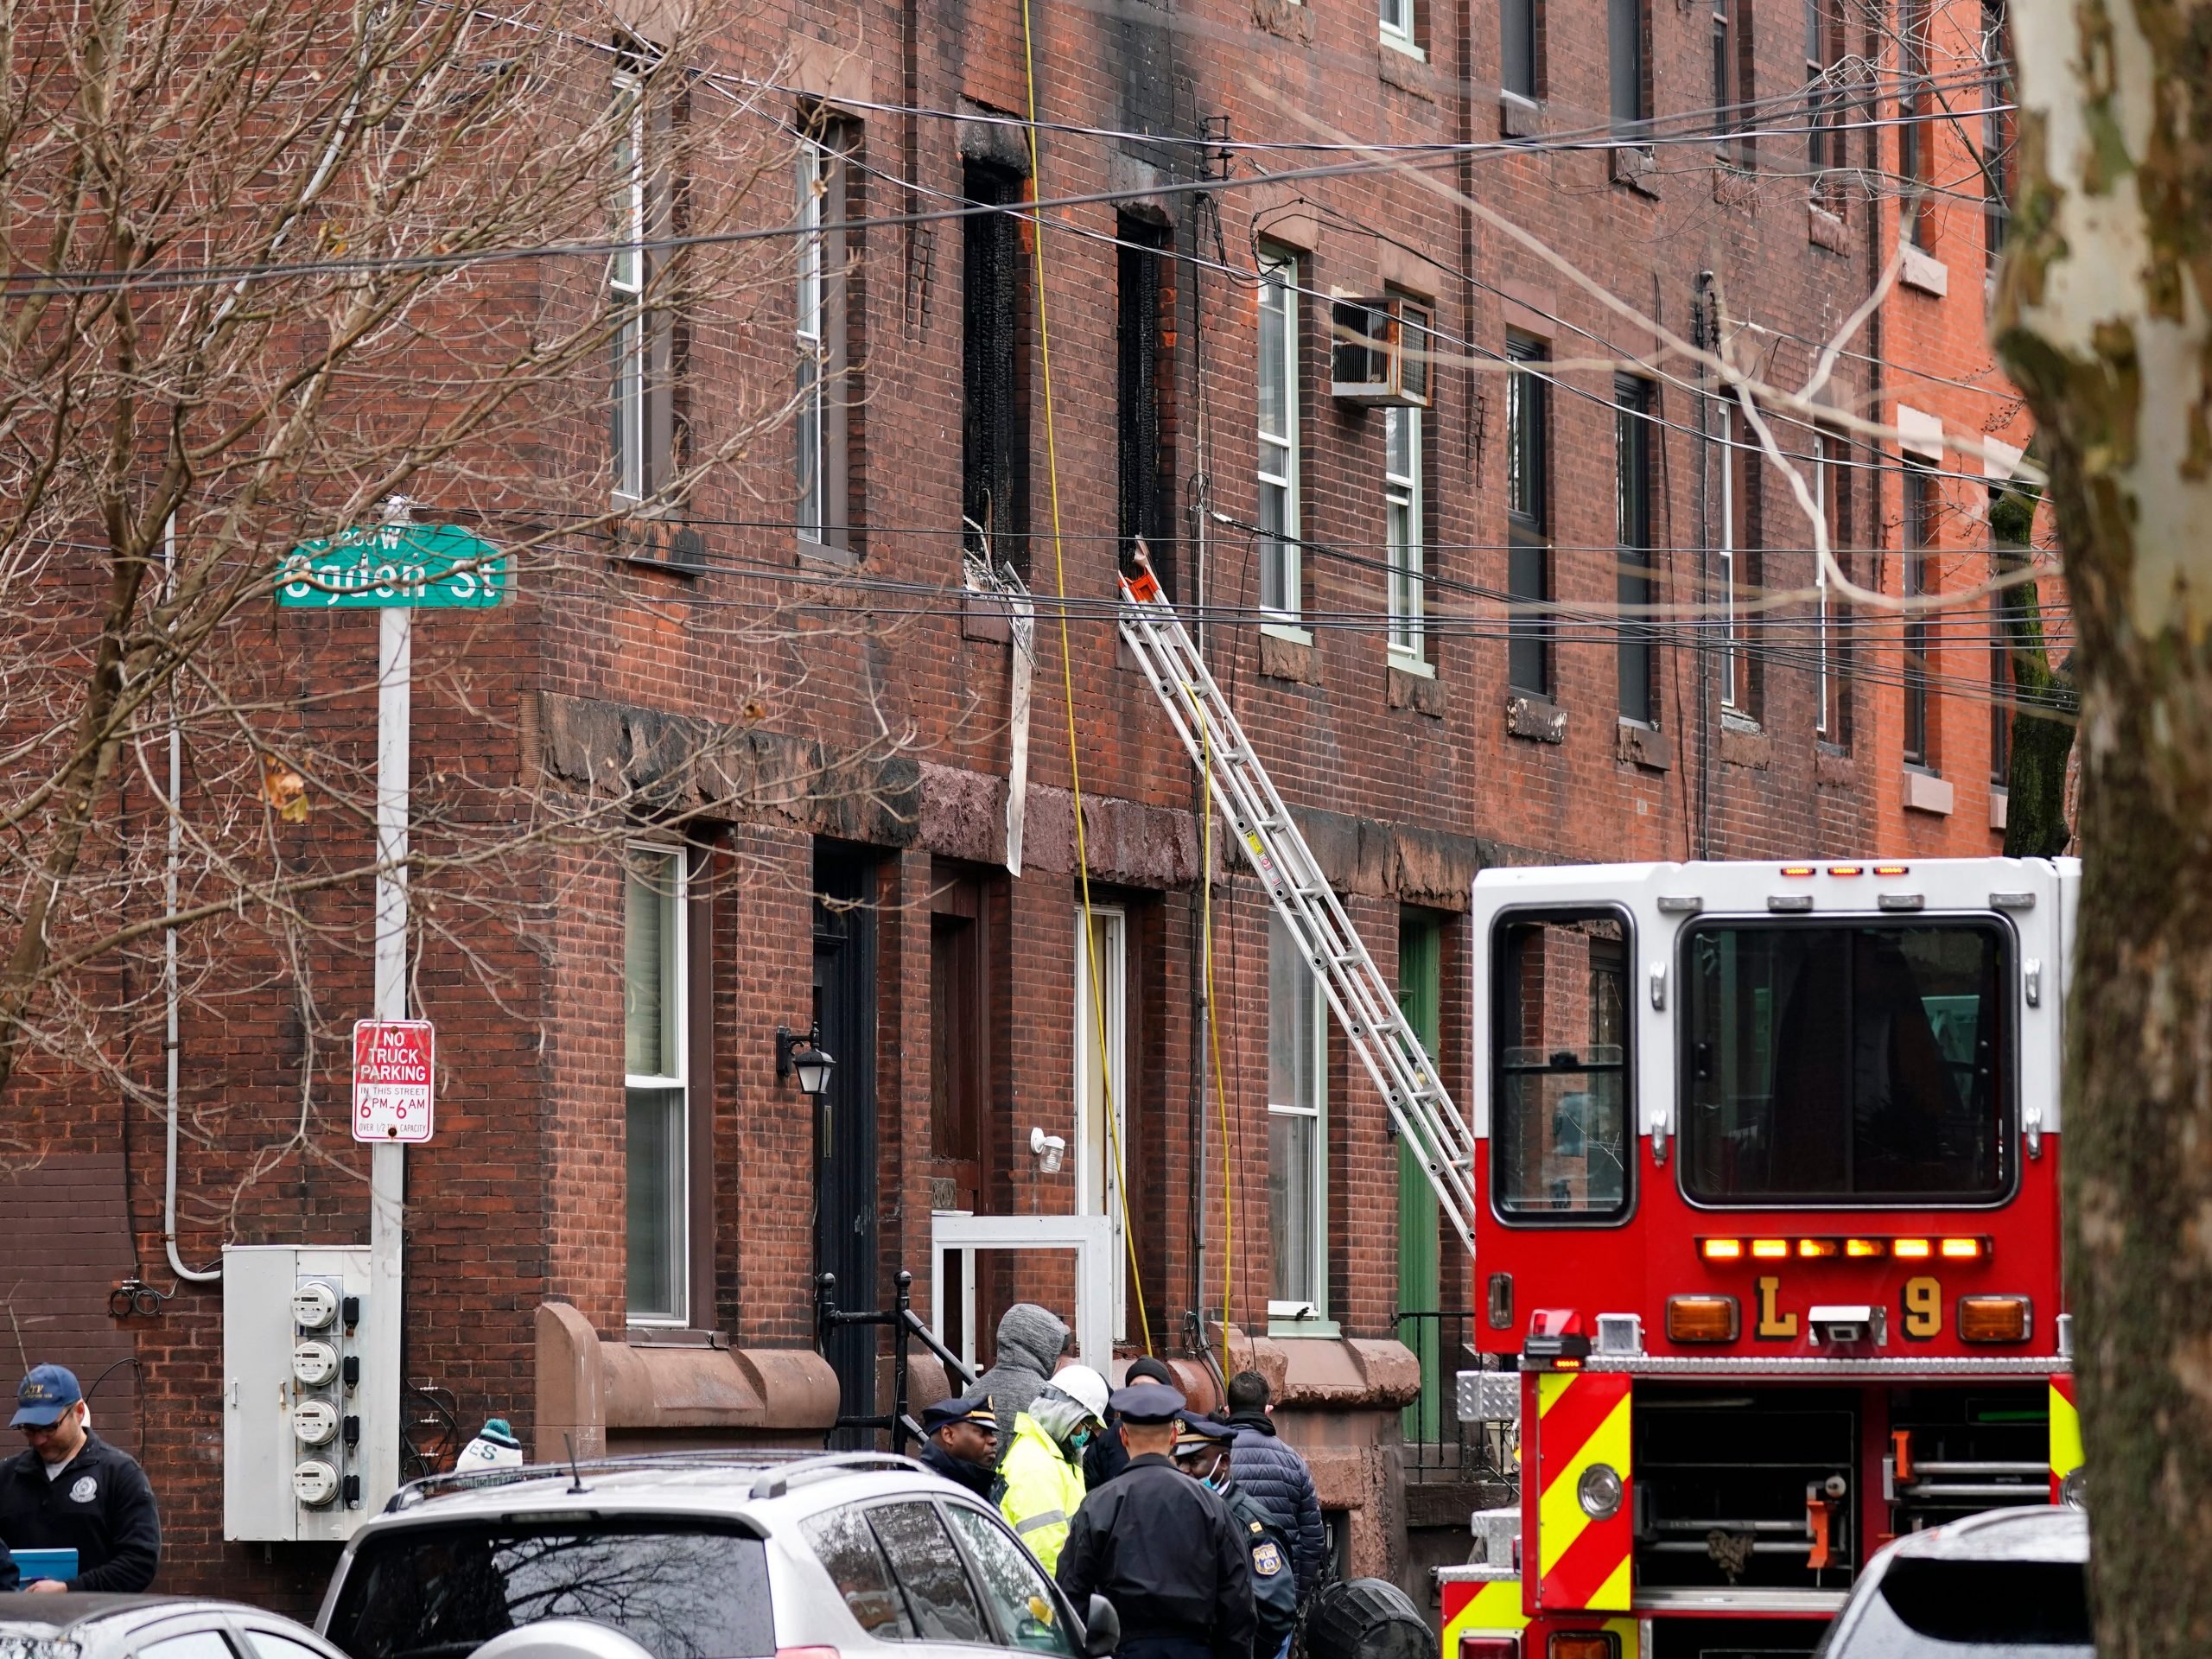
(1930,1609)
(680,1590)
(1846,1065)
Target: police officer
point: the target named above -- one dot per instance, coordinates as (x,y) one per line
(1160,1546)
(960,1442)
(1202,1451)
(71,1490)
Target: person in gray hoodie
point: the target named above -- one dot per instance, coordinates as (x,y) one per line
(1031,1342)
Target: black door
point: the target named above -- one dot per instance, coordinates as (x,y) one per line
(844,1121)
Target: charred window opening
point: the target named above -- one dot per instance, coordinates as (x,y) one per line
(994,425)
(1560,1140)
(1146,475)
(1861,1065)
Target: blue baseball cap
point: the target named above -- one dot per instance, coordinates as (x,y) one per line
(44,1394)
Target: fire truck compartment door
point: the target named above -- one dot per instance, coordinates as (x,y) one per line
(1584,1518)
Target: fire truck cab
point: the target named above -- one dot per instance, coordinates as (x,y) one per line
(1766,1265)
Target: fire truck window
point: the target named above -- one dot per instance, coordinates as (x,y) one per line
(1846,1065)
(1559,1143)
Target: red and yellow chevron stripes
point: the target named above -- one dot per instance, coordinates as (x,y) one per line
(1494,1609)
(2065,1434)
(1582,1560)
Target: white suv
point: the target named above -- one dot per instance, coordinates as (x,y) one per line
(705,1557)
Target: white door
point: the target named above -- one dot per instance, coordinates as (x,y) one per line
(1101,1117)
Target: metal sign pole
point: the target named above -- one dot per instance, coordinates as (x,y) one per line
(387,1163)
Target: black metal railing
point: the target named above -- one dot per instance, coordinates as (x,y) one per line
(1438,1447)
(906,1327)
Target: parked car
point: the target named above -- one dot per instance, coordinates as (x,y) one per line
(149,1627)
(2009,1581)
(703,1557)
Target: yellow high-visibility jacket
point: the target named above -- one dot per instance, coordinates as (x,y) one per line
(1043,1490)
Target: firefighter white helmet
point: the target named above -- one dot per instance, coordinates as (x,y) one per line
(1084,1386)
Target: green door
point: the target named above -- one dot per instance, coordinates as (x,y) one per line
(1421,986)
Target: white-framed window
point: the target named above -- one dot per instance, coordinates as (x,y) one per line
(1102,1111)
(1298,1175)
(1402,511)
(626,290)
(1823,619)
(810,424)
(1732,436)
(657,1084)
(1397,20)
(1281,573)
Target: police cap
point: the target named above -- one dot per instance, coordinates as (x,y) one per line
(1149,1405)
(970,1409)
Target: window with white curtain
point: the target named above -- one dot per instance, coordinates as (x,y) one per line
(1102,1079)
(626,291)
(655,971)
(1402,511)
(1297,1132)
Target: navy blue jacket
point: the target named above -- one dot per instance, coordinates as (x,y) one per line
(1274,1475)
(10,1579)
(100,1506)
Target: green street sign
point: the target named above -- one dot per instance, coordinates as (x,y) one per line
(428,567)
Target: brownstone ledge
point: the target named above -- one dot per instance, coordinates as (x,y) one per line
(597,1394)
(1422,693)
(1746,748)
(1538,719)
(1297,660)
(1643,746)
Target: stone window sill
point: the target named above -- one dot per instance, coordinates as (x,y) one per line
(1926,792)
(1415,687)
(1534,719)
(1517,117)
(1636,169)
(1643,746)
(1924,271)
(1282,656)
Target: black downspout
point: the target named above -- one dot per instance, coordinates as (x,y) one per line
(1705,338)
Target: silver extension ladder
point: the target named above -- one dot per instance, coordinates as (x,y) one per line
(1365,1006)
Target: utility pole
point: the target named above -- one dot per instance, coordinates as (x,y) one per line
(388,1162)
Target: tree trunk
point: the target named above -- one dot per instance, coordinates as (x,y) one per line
(2102,321)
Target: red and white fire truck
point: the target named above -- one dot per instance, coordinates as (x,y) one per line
(1766,1259)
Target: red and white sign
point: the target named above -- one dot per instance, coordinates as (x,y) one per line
(394,1061)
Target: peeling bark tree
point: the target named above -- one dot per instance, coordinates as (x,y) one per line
(2105,321)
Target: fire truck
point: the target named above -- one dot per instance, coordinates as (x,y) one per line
(1765,1238)
(1760,1183)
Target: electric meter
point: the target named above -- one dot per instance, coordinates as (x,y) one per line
(314,1305)
(314,1364)
(315,1421)
(314,1483)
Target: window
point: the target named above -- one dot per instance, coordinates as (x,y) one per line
(654,975)
(2005,555)
(845,1545)
(929,1568)
(1846,1065)
(994,434)
(1518,21)
(1102,1079)
(1916,129)
(820,430)
(269,1644)
(1996,128)
(1631,92)
(1632,401)
(1826,134)
(193,1645)
(1920,508)
(1297,1145)
(960,1049)
(1148,484)
(1401,514)
(1528,517)
(1834,473)
(1280,579)
(1559,1146)
(1733,59)
(1739,573)
(679,1589)
(626,291)
(1025,1605)
(1398,25)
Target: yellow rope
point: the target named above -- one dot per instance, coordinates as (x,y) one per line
(1213,1018)
(1067,677)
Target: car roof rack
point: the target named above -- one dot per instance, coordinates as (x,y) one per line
(780,1463)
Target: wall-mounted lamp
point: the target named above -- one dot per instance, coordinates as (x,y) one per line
(803,1055)
(1047,1150)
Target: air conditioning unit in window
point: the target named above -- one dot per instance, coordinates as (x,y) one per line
(1380,351)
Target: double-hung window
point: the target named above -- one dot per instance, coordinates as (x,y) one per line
(822,395)
(1519,46)
(1528,517)
(1397,20)
(1297,1132)
(1402,516)
(1920,507)
(1632,401)
(632,415)
(1280,575)
(1996,127)
(1628,82)
(811,391)
(1916,128)
(655,974)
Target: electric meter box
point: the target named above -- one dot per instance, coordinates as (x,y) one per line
(310,1412)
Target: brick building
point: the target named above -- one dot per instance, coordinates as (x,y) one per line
(1517,616)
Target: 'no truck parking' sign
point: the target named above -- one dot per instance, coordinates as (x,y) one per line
(393,1064)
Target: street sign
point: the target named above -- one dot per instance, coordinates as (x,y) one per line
(370,566)
(394,1062)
